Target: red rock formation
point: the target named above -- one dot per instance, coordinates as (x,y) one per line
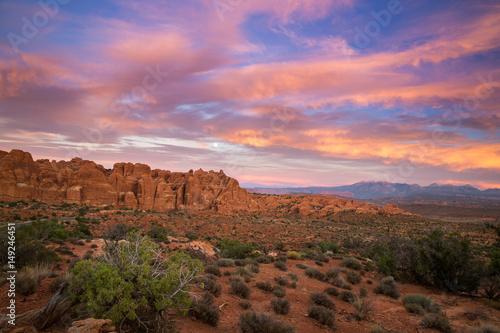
(137,186)
(319,205)
(127,185)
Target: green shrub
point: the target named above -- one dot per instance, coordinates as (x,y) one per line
(28,279)
(301,266)
(265,286)
(281,305)
(137,296)
(363,306)
(339,282)
(353,277)
(446,262)
(205,310)
(264,259)
(387,287)
(350,262)
(252,322)
(283,258)
(240,288)
(294,255)
(314,273)
(243,272)
(331,291)
(279,291)
(484,328)
(293,276)
(282,281)
(88,255)
(363,292)
(424,302)
(209,283)
(384,257)
(73,262)
(415,308)
(333,273)
(244,262)
(225,263)
(26,284)
(159,233)
(323,315)
(369,266)
(280,265)
(347,296)
(322,299)
(328,246)
(491,287)
(245,304)
(254,267)
(436,322)
(212,269)
(322,258)
(29,247)
(236,250)
(61,234)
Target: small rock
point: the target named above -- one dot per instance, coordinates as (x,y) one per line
(91,325)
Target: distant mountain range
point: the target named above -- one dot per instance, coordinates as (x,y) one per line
(377,190)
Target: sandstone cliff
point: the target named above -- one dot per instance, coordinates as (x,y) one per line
(127,185)
(137,186)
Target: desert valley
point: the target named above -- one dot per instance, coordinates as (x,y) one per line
(249,166)
(310,262)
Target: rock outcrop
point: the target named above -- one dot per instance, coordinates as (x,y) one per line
(137,186)
(320,205)
(92,325)
(127,185)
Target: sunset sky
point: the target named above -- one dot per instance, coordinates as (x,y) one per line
(274,92)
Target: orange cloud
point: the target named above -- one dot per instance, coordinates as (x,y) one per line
(342,143)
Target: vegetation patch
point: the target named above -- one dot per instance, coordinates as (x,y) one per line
(419,304)
(240,288)
(252,322)
(127,267)
(323,315)
(352,263)
(322,299)
(436,322)
(388,287)
(280,306)
(205,310)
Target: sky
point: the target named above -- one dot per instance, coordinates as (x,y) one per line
(275,93)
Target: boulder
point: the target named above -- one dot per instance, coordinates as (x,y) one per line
(92,325)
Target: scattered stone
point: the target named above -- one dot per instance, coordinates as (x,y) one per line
(92,325)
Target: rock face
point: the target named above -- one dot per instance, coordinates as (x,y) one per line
(137,186)
(127,185)
(92,326)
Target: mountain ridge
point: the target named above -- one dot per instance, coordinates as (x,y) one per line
(382,189)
